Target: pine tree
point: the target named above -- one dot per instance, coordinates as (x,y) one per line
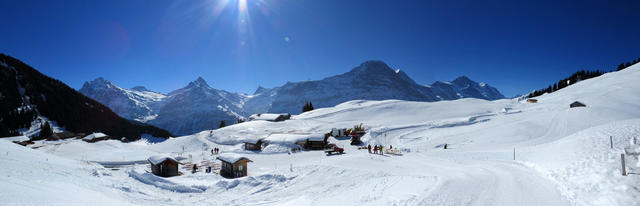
(307,107)
(621,66)
(222,124)
(45,130)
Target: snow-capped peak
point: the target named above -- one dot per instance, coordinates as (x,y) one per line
(200,82)
(99,83)
(140,88)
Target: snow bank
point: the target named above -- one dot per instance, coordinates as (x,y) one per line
(162,183)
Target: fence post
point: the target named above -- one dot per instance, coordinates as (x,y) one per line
(514,153)
(624,169)
(611,140)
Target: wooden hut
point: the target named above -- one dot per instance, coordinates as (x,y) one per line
(532,101)
(95,137)
(577,104)
(270,117)
(164,166)
(316,141)
(61,135)
(253,144)
(233,165)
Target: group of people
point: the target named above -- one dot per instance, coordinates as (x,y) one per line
(215,150)
(377,149)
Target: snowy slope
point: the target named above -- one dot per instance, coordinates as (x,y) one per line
(33,177)
(562,155)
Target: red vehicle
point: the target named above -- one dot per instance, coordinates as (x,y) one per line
(335,149)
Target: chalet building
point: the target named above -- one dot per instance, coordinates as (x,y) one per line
(95,137)
(254,145)
(577,104)
(270,117)
(532,101)
(316,142)
(233,165)
(61,135)
(164,166)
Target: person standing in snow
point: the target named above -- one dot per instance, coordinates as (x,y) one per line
(369,148)
(375,149)
(381,148)
(194,168)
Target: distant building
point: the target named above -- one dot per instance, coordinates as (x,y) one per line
(270,117)
(532,101)
(253,144)
(233,165)
(316,142)
(95,137)
(577,104)
(164,166)
(339,132)
(61,135)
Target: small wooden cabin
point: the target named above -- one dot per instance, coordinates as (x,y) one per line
(577,104)
(233,165)
(316,142)
(164,166)
(270,117)
(532,101)
(254,145)
(95,137)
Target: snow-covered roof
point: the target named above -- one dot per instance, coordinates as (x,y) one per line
(157,159)
(293,138)
(94,136)
(316,137)
(20,138)
(252,141)
(231,157)
(267,116)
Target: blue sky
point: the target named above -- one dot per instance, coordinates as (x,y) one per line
(515,46)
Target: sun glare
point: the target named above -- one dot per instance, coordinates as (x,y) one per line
(242,5)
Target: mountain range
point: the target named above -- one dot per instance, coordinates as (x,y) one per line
(198,106)
(26,94)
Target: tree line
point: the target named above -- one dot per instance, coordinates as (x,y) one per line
(578,76)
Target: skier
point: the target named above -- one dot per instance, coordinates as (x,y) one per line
(375,149)
(212,151)
(194,168)
(381,147)
(369,148)
(390,146)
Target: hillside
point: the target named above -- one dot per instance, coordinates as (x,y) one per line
(24,90)
(562,154)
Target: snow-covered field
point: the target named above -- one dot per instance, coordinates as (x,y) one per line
(562,157)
